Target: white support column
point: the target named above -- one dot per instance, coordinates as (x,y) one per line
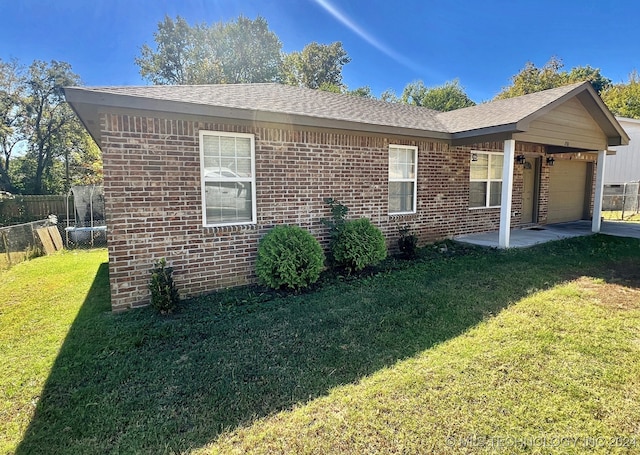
(507,191)
(597,198)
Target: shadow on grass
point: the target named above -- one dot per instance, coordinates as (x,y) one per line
(138,383)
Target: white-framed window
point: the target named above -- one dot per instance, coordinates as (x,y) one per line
(227,166)
(403,179)
(485,189)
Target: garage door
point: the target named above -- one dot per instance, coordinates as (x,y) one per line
(567,191)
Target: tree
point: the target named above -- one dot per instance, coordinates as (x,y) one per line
(587,73)
(171,62)
(12,85)
(84,163)
(442,98)
(389,95)
(44,147)
(333,88)
(446,97)
(48,120)
(624,99)
(316,65)
(532,79)
(243,51)
(362,92)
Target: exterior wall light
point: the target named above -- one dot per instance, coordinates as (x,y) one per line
(521,159)
(550,160)
(474,157)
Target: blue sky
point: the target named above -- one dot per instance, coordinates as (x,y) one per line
(482,43)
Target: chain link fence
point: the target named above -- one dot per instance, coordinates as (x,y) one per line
(77,216)
(621,201)
(21,242)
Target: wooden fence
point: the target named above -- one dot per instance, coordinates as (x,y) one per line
(25,209)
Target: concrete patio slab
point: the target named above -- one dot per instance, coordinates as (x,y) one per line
(621,229)
(523,238)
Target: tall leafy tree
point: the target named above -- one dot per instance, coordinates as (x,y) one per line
(43,146)
(389,95)
(362,92)
(442,98)
(317,65)
(446,97)
(243,51)
(533,79)
(171,61)
(587,73)
(48,119)
(51,137)
(624,99)
(12,86)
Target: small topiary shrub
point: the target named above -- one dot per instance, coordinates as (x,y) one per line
(164,295)
(408,243)
(338,216)
(289,257)
(358,244)
(335,223)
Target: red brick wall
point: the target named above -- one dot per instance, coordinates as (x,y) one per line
(153,200)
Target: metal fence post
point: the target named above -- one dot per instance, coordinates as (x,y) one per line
(6,247)
(624,199)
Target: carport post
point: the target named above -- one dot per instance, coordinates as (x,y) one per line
(507,191)
(597,198)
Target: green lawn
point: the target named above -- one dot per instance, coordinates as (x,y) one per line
(617,216)
(462,351)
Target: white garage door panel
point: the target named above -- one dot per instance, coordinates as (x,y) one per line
(567,190)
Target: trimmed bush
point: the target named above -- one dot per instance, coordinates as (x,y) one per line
(358,244)
(164,295)
(289,257)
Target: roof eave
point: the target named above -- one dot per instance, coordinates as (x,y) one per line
(488,134)
(78,96)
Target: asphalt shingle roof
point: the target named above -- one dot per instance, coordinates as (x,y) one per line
(311,107)
(501,112)
(286,99)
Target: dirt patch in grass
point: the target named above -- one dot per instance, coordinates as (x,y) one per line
(620,288)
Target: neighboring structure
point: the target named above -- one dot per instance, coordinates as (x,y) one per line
(622,173)
(197,174)
(624,166)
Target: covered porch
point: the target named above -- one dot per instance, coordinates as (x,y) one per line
(569,126)
(570,214)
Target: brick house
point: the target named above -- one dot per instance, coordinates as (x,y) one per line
(198,174)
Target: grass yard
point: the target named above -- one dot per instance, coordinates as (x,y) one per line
(8,260)
(462,351)
(617,216)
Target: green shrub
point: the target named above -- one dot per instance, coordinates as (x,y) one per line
(358,244)
(289,257)
(164,295)
(407,243)
(338,216)
(335,223)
